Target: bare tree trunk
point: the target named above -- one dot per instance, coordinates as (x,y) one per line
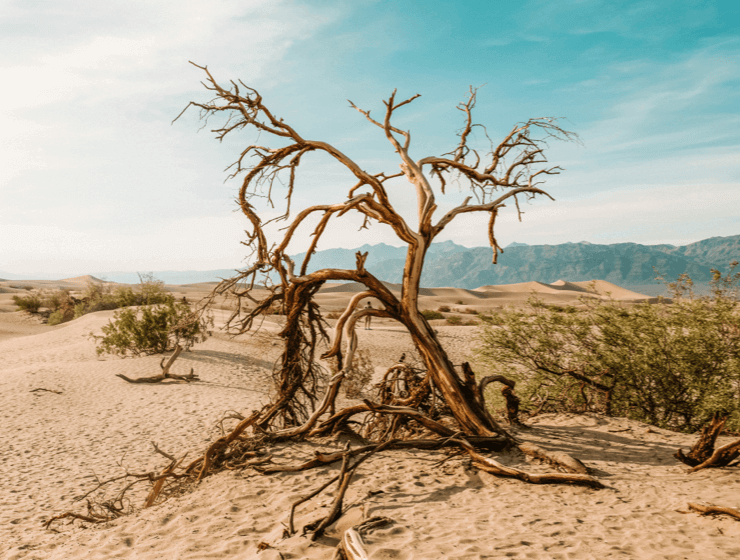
(462,402)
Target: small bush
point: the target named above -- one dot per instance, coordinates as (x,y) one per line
(31,303)
(359,376)
(444,309)
(333,315)
(60,305)
(430,314)
(670,365)
(454,320)
(460,302)
(55,318)
(152,329)
(100,296)
(470,311)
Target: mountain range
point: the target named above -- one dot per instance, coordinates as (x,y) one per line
(630,265)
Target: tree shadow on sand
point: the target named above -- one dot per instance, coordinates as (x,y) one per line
(230,358)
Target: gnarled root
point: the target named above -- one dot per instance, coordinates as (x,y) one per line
(721,457)
(702,453)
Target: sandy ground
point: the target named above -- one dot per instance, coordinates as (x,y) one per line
(56,444)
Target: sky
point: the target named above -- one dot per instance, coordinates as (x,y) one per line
(95,176)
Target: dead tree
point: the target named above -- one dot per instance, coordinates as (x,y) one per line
(432,407)
(509,172)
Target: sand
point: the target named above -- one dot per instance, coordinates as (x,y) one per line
(54,445)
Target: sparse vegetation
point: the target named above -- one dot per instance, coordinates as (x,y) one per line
(444,309)
(60,306)
(671,365)
(430,314)
(31,302)
(152,329)
(359,376)
(456,320)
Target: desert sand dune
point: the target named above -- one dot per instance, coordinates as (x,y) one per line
(54,445)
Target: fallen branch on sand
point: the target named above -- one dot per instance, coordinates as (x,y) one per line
(102,511)
(715,510)
(165,372)
(40,389)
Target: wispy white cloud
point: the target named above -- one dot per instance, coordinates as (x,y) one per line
(90,167)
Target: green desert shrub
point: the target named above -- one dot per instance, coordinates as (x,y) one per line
(454,320)
(55,299)
(444,309)
(152,329)
(430,314)
(101,296)
(55,318)
(31,303)
(672,365)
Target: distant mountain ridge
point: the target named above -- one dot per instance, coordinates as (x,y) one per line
(629,265)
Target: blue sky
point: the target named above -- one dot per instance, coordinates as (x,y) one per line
(94,177)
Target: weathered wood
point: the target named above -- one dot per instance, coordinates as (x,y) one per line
(512,401)
(511,171)
(715,510)
(353,546)
(291,526)
(494,467)
(165,372)
(335,510)
(558,458)
(704,447)
(722,457)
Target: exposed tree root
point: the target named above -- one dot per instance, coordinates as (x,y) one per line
(88,518)
(722,457)
(494,467)
(237,449)
(704,447)
(715,510)
(702,454)
(557,458)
